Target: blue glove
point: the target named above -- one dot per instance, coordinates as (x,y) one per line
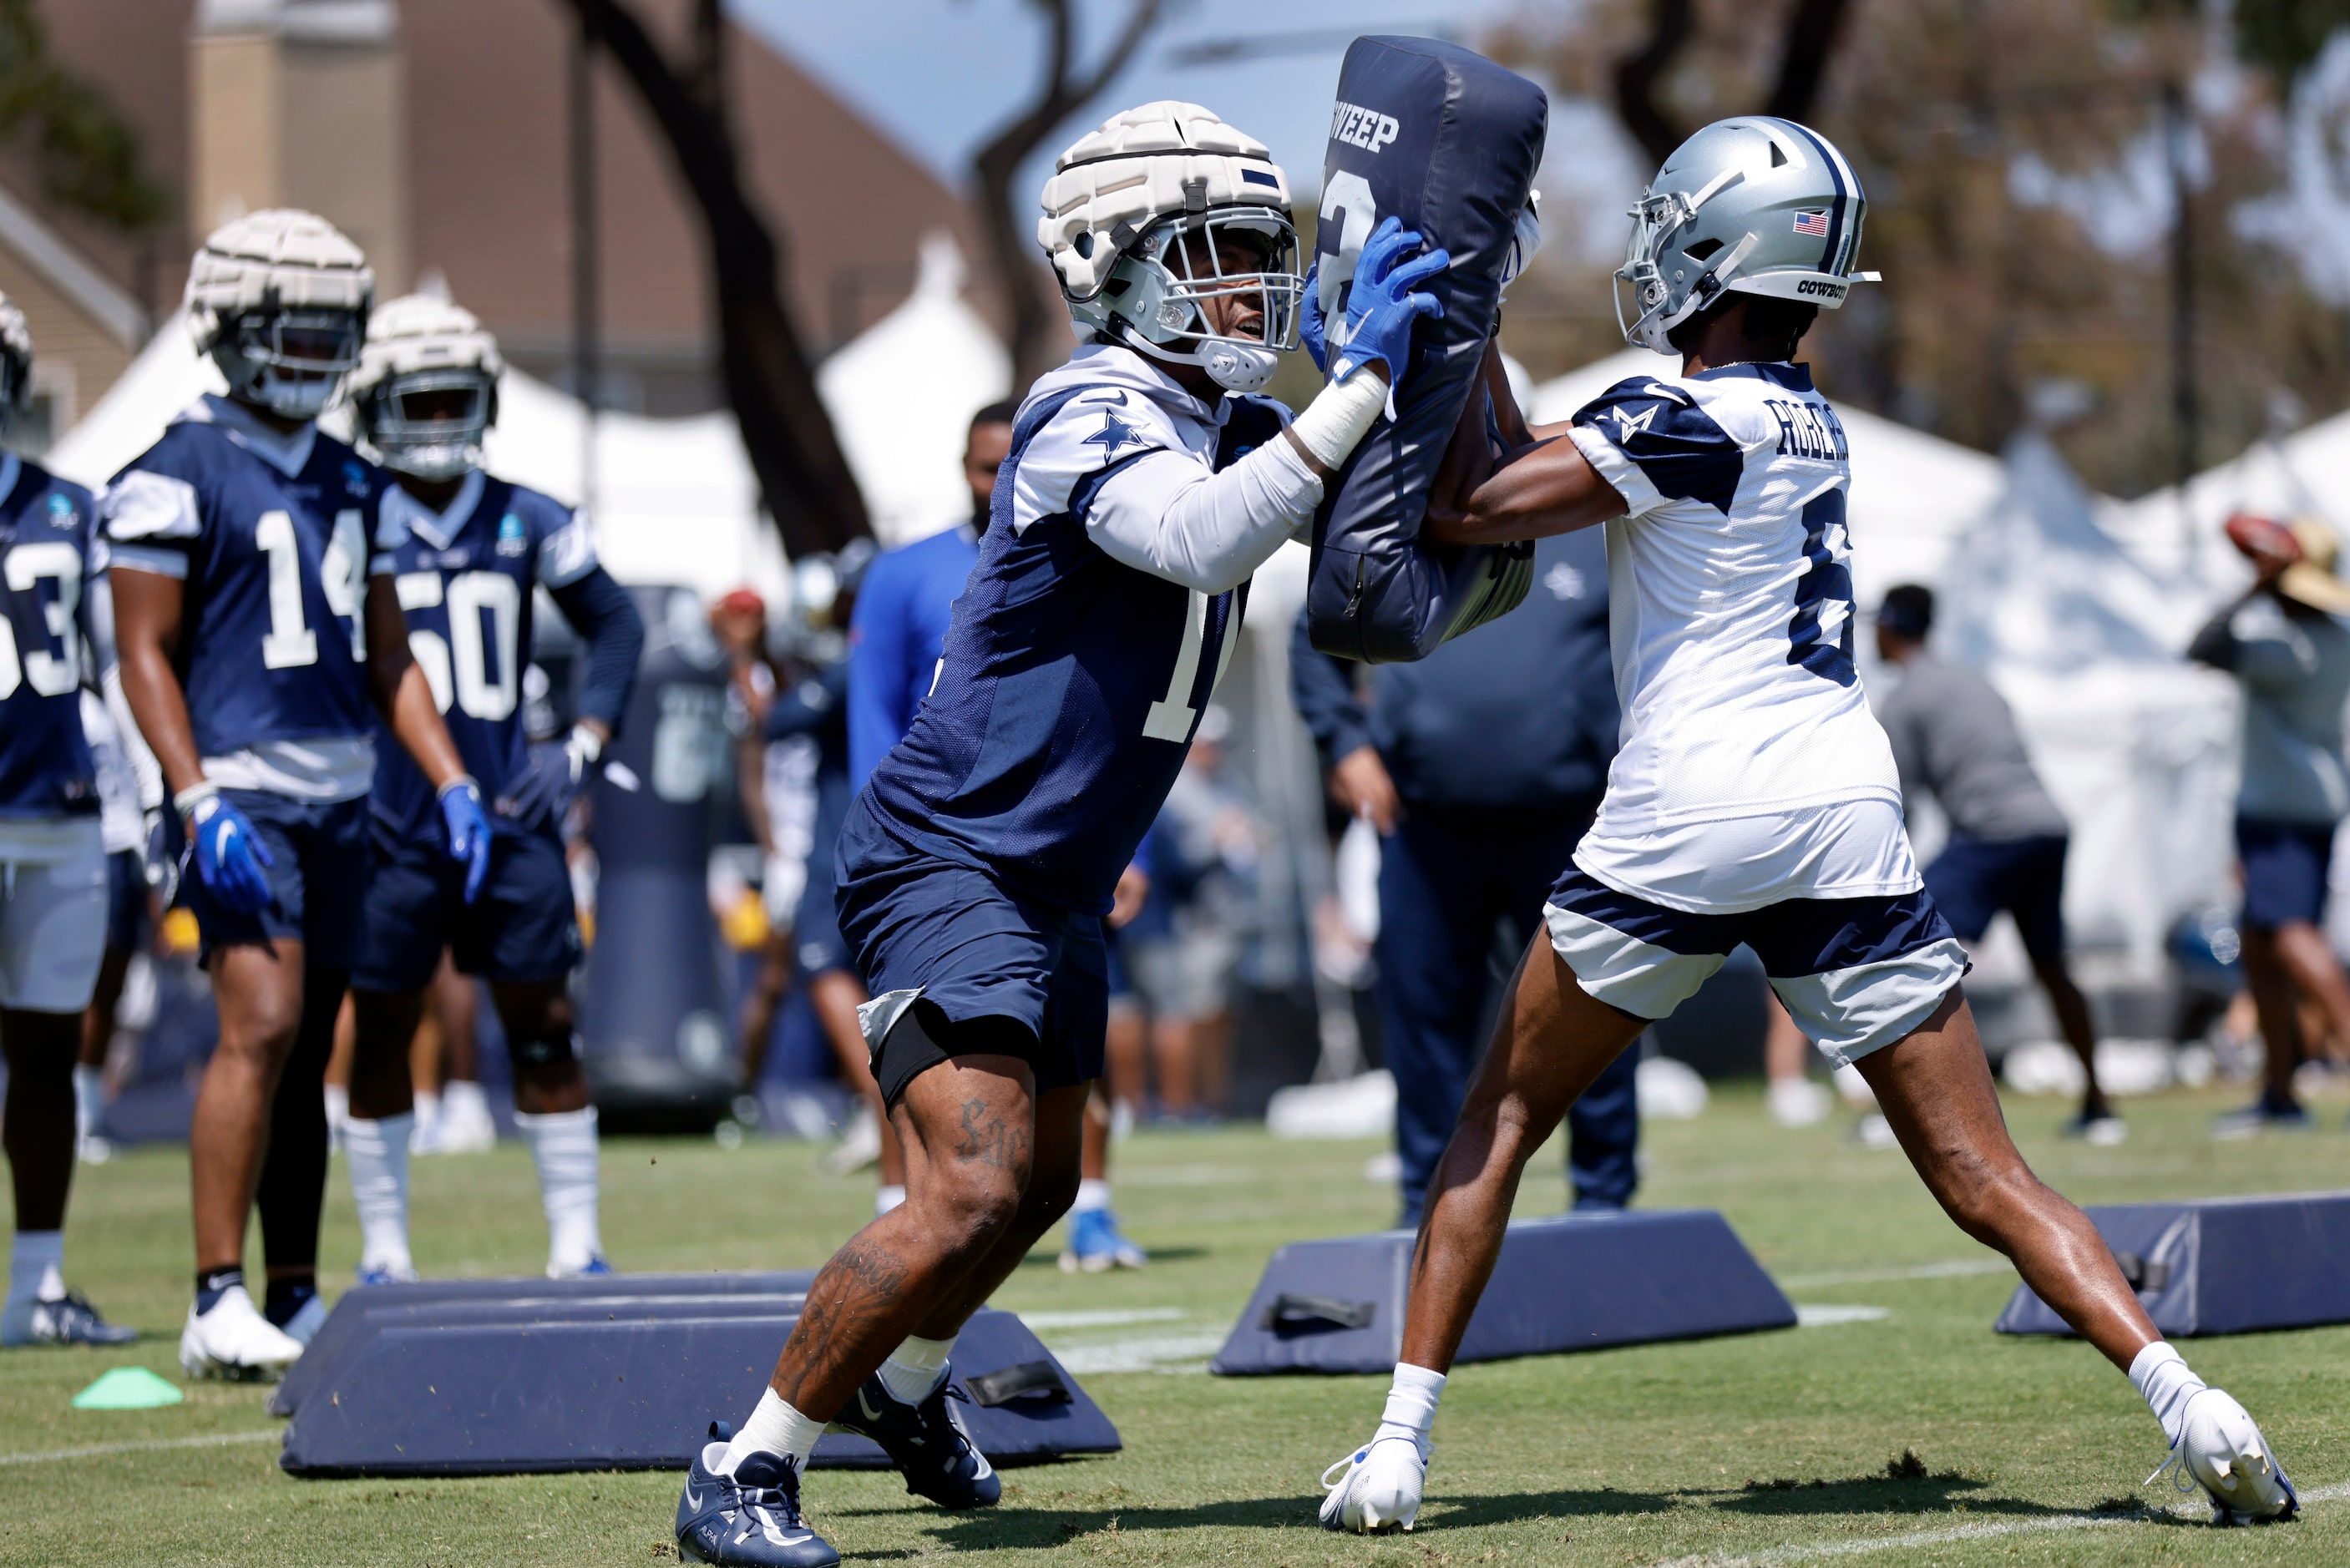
(555,776)
(1309,319)
(228,855)
(1381,305)
(469,831)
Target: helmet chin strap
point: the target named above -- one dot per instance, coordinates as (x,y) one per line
(1235,367)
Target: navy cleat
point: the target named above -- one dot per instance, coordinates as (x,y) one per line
(68,1320)
(750,1519)
(927,1442)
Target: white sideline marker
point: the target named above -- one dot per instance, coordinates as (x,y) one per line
(210,1440)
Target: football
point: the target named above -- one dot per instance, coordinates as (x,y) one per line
(2259,537)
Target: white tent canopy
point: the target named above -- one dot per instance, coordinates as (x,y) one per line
(675,500)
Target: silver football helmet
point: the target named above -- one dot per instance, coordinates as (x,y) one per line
(1137,217)
(426,390)
(1751,205)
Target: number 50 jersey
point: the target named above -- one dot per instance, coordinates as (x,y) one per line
(464,577)
(270,535)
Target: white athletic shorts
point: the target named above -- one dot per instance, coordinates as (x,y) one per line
(1854,973)
(53,928)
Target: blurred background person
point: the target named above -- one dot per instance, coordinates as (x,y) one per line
(2291,658)
(1481,767)
(1955,738)
(1182,950)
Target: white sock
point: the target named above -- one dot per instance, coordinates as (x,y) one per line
(89,1100)
(2160,1374)
(377,1151)
(428,1111)
(1411,1405)
(775,1427)
(1091,1195)
(462,1097)
(916,1367)
(564,1145)
(886,1198)
(36,1267)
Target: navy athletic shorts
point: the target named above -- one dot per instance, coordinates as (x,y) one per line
(126,901)
(927,930)
(318,883)
(1972,880)
(2284,871)
(522,927)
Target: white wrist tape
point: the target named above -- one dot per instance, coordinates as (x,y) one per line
(462,780)
(1337,419)
(587,743)
(195,795)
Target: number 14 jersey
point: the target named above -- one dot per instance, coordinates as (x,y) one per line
(1071,682)
(271,534)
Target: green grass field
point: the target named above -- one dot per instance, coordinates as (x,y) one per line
(1765,1449)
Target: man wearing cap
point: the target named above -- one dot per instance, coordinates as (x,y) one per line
(1954,737)
(2291,657)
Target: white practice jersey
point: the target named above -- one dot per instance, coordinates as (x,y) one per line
(1750,769)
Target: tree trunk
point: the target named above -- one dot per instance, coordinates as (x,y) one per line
(1809,40)
(803,476)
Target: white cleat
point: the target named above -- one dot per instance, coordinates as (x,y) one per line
(1376,1489)
(2220,1450)
(234,1342)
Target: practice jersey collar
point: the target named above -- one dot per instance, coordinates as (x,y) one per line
(289,455)
(12,469)
(1785,373)
(438,529)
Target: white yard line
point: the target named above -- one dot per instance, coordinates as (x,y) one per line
(1106,1318)
(1812,1551)
(212,1440)
(1829,1316)
(1959,1268)
(1150,1353)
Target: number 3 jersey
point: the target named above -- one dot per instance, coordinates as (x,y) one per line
(270,534)
(465,577)
(47,557)
(1071,682)
(1750,769)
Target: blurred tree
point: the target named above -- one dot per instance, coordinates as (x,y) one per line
(2022,204)
(90,161)
(1807,36)
(1011,221)
(803,475)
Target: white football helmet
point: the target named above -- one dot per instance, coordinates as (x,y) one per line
(1751,205)
(280,300)
(1134,218)
(427,387)
(15,362)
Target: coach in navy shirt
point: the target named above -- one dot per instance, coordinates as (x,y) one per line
(1481,766)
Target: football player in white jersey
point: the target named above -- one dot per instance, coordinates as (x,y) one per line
(1754,798)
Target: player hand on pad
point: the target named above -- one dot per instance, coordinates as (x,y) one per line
(228,855)
(468,829)
(1309,319)
(2220,1448)
(1381,305)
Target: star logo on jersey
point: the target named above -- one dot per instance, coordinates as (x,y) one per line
(1114,434)
(1627,424)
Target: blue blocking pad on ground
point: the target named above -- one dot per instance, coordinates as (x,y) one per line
(1447,142)
(1578,1281)
(2220,1265)
(537,1380)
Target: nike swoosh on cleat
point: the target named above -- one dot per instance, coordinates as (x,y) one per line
(692,1497)
(867,1405)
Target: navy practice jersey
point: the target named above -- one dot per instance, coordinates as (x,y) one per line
(1071,682)
(47,557)
(271,536)
(465,578)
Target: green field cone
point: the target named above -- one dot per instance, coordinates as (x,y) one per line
(128,1388)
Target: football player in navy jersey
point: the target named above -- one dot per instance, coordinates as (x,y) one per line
(53,871)
(974,870)
(258,631)
(470,552)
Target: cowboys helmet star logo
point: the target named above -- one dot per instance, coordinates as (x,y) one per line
(1115,433)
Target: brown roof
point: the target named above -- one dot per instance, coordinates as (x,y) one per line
(489,179)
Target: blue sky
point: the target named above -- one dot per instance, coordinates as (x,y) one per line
(940,75)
